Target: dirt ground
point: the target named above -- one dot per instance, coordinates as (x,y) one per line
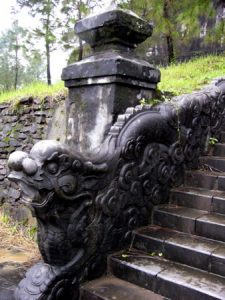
(16,246)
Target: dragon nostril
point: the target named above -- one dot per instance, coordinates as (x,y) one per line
(29,166)
(16,159)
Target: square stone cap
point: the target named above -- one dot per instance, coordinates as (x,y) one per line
(114,26)
(112,64)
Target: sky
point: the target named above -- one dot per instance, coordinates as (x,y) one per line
(4,13)
(59,57)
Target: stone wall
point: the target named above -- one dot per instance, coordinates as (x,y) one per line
(21,126)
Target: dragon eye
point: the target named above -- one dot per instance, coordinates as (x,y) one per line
(52,168)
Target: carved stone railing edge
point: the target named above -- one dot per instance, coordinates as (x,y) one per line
(87,207)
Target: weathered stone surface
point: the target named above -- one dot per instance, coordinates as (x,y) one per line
(114,26)
(6,129)
(14,143)
(3,106)
(178,218)
(111,288)
(103,85)
(222,137)
(22,136)
(57,126)
(26,100)
(13,193)
(40,113)
(192,197)
(88,205)
(169,279)
(201,179)
(191,250)
(21,129)
(216,163)
(211,226)
(3,144)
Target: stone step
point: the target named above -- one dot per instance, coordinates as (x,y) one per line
(218,149)
(192,250)
(170,279)
(189,220)
(112,288)
(205,179)
(216,163)
(199,198)
(10,275)
(7,294)
(177,217)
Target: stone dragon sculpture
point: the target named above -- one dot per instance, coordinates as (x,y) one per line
(87,206)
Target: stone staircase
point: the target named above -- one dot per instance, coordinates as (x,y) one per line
(182,255)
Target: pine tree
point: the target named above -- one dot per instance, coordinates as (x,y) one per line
(11,57)
(46,10)
(75,10)
(175,21)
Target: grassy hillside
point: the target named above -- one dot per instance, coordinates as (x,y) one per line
(178,79)
(36,90)
(192,75)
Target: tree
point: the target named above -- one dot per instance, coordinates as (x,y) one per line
(5,66)
(20,63)
(17,36)
(163,14)
(174,20)
(11,56)
(35,68)
(75,10)
(217,33)
(46,10)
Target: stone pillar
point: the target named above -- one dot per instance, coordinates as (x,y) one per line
(104,84)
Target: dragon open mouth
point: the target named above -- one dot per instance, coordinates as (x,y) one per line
(30,195)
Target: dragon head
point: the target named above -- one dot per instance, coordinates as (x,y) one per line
(36,173)
(52,171)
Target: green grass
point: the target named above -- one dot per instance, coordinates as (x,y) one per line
(177,79)
(192,75)
(36,90)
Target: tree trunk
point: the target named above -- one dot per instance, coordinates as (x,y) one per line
(47,46)
(169,36)
(80,56)
(170,48)
(48,64)
(16,65)
(145,10)
(81,49)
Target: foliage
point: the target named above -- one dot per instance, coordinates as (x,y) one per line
(20,63)
(78,52)
(36,66)
(46,10)
(15,235)
(75,10)
(12,47)
(176,23)
(176,79)
(35,90)
(4,218)
(213,141)
(151,102)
